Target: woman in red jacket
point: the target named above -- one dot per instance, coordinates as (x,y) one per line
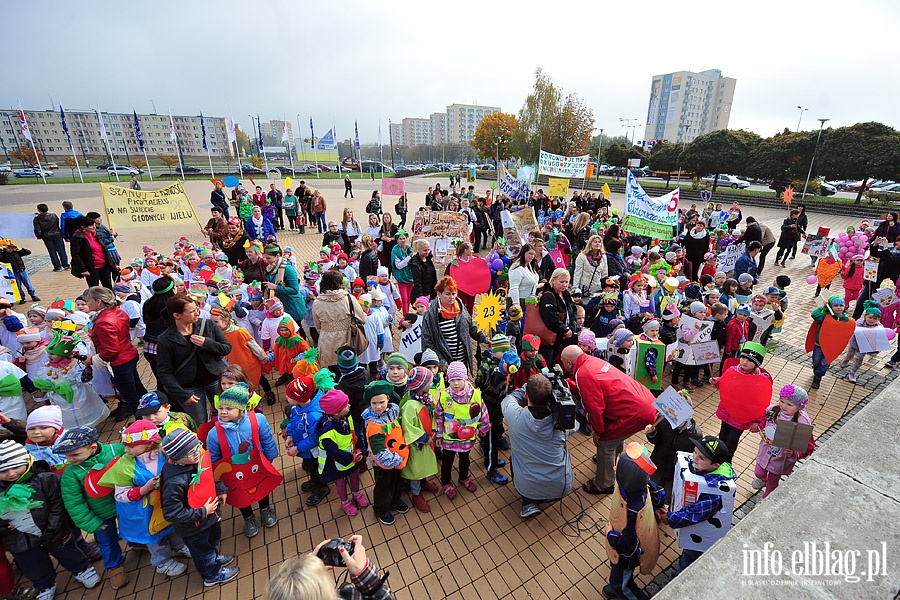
(111,335)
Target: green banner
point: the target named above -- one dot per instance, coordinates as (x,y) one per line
(640,226)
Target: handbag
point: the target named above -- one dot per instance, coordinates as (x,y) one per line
(534,325)
(358,340)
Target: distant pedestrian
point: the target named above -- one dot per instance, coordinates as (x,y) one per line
(135,184)
(217,198)
(372,172)
(46,229)
(348,186)
(276,199)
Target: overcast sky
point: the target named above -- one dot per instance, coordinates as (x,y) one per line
(370,60)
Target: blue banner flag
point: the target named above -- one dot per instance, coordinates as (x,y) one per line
(137,131)
(62,117)
(203,131)
(259,129)
(356,130)
(312,134)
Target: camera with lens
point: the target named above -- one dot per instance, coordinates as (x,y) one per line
(562,406)
(330,553)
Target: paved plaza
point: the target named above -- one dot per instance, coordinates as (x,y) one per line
(475,546)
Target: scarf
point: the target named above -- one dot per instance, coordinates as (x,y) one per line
(450,313)
(462,397)
(232,240)
(698,235)
(594,261)
(273,268)
(38,353)
(385,418)
(401,383)
(257,223)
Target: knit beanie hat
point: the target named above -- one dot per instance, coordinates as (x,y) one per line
(871,308)
(782,281)
(75,438)
(127,274)
(333,402)
(743,308)
(670,313)
(430,358)
(499,343)
(753,351)
(637,250)
(140,432)
(29,334)
(45,416)
(38,310)
(794,394)
(650,324)
(531,342)
(745,278)
(12,455)
(620,336)
(705,279)
(836,301)
(423,300)
(235,397)
(456,370)
(379,387)
(419,381)
(588,338)
(514,313)
(397,358)
(273,304)
(179,443)
(346,358)
(123,288)
(377,294)
(697,307)
(301,389)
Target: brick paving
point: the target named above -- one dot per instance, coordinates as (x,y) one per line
(475,546)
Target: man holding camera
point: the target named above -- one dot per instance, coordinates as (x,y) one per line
(542,470)
(617,407)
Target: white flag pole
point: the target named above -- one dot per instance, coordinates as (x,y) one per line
(232,135)
(288,140)
(108,148)
(75,156)
(174,137)
(146,160)
(26,131)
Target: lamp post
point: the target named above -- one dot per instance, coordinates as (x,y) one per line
(627,123)
(801,116)
(812,162)
(681,133)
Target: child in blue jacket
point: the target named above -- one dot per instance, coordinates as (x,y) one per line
(300,433)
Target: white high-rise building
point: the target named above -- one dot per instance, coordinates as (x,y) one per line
(416,131)
(684,105)
(463,119)
(438,128)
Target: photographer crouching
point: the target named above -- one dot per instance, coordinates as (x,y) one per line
(539,423)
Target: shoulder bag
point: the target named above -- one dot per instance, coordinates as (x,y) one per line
(358,340)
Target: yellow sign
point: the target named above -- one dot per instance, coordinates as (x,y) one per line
(169,206)
(606,191)
(486,313)
(559,187)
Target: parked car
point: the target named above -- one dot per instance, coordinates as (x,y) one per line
(248,169)
(879,186)
(826,189)
(35,172)
(123,170)
(892,188)
(856,185)
(104,166)
(187,169)
(5,168)
(51,166)
(285,171)
(839,184)
(728,181)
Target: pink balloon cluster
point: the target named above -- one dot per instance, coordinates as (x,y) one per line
(851,244)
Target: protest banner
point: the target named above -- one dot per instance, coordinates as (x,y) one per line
(411,340)
(392,187)
(167,207)
(441,228)
(725,260)
(518,228)
(559,187)
(702,349)
(654,217)
(562,166)
(513,188)
(870,269)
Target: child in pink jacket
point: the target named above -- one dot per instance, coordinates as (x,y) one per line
(852,274)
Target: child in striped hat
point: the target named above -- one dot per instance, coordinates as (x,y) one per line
(417,421)
(499,345)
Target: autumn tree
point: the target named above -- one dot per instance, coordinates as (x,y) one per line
(561,124)
(138,163)
(494,131)
(26,155)
(72,164)
(860,151)
(243,142)
(724,151)
(257,161)
(169,160)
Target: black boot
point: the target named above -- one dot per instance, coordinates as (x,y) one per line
(817,379)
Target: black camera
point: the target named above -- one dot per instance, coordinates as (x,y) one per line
(330,553)
(562,405)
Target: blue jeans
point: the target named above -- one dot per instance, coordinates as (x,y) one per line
(24,283)
(200,411)
(108,540)
(128,382)
(622,580)
(38,568)
(57,251)
(204,548)
(321,224)
(687,558)
(820,365)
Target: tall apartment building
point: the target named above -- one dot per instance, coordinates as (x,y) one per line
(275,128)
(396,135)
(462,119)
(438,128)
(684,105)
(416,131)
(84,129)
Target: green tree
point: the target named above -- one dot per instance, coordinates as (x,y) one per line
(784,157)
(243,142)
(860,151)
(257,161)
(617,155)
(666,158)
(495,130)
(721,152)
(549,120)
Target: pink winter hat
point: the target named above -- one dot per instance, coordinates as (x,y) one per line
(456,370)
(45,416)
(333,401)
(588,338)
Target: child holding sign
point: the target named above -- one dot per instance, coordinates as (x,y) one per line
(773,462)
(867,327)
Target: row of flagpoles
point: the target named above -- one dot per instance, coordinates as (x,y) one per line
(173,136)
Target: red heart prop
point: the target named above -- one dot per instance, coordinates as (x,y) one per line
(834,337)
(472,277)
(92,485)
(745,397)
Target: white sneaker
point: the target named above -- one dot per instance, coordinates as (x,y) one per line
(758,484)
(47,594)
(171,568)
(184,552)
(851,377)
(88,578)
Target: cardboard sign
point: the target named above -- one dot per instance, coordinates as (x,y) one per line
(392,187)
(792,436)
(870,269)
(885,297)
(686,490)
(411,340)
(763,321)
(166,207)
(725,260)
(487,312)
(559,187)
(815,245)
(674,407)
(654,353)
(872,339)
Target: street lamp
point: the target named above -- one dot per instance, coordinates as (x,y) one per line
(599,148)
(628,124)
(681,134)
(253,124)
(801,116)
(811,162)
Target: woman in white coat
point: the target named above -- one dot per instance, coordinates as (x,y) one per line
(524,276)
(591,268)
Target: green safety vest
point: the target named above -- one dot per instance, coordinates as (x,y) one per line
(344,442)
(457,416)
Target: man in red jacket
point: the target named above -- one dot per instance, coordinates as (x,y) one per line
(617,407)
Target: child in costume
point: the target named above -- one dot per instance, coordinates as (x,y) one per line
(871,319)
(738,330)
(268,331)
(35,526)
(494,389)
(223,269)
(244,349)
(587,341)
(487,364)
(241,448)
(773,462)
(390,291)
(131,304)
(340,450)
(32,352)
(651,334)
(710,464)
(460,417)
(824,316)
(190,501)
(417,420)
(157,410)
(608,312)
(64,382)
(350,377)
(397,374)
(375,334)
(620,344)
(744,392)
(37,317)
(667,443)
(300,433)
(633,542)
(852,274)
(287,349)
(430,361)
(380,311)
(12,381)
(389,450)
(90,510)
(531,361)
(310,292)
(135,478)
(637,303)
(826,270)
(44,426)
